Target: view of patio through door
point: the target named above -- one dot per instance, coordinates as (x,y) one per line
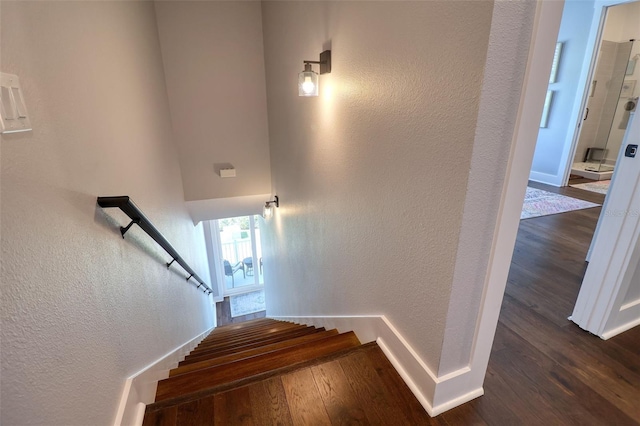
(240,252)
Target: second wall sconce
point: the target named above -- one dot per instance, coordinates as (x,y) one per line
(308,78)
(267,210)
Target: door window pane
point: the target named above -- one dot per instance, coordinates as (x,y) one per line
(240,251)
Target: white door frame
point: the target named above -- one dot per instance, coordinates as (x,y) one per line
(599,308)
(543,41)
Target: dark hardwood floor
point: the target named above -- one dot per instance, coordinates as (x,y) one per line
(223,314)
(544,369)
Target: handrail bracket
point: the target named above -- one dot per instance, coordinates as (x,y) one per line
(123,230)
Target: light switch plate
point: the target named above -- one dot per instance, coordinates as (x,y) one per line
(13,111)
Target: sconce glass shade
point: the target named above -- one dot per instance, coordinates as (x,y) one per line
(308,82)
(267,211)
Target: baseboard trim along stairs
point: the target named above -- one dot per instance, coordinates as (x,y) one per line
(140,388)
(437,394)
(267,371)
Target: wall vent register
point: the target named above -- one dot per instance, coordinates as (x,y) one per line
(13,112)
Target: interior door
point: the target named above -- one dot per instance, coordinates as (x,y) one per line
(609,299)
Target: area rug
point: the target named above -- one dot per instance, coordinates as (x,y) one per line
(247,303)
(601,186)
(538,202)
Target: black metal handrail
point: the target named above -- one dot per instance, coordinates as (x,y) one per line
(125,204)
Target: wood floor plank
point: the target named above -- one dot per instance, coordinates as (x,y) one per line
(340,402)
(269,403)
(305,402)
(600,373)
(630,340)
(165,417)
(372,394)
(399,392)
(534,292)
(196,413)
(465,414)
(491,407)
(233,407)
(549,386)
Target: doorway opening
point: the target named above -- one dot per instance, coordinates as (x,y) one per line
(610,103)
(610,98)
(240,248)
(234,247)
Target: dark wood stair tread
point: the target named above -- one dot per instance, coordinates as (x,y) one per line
(227,341)
(214,376)
(247,345)
(251,352)
(238,331)
(236,334)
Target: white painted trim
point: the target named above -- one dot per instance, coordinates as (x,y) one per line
(620,329)
(421,379)
(615,253)
(630,305)
(140,388)
(547,178)
(214,270)
(220,208)
(592,175)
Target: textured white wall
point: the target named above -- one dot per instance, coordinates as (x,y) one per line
(372,174)
(214,67)
(82,309)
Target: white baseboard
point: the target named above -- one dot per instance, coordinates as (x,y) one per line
(621,329)
(627,318)
(140,389)
(436,394)
(547,178)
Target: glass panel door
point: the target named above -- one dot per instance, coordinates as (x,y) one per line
(240,253)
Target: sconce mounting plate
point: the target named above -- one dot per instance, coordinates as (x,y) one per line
(325,62)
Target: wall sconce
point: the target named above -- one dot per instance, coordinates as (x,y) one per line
(267,210)
(308,78)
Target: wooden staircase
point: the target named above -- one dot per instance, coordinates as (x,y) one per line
(272,372)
